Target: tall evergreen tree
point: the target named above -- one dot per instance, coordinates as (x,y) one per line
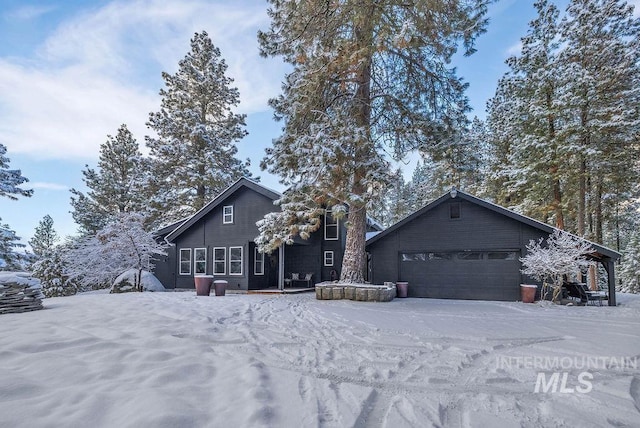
(368,78)
(630,265)
(193,155)
(10,179)
(456,161)
(601,54)
(44,237)
(117,186)
(536,160)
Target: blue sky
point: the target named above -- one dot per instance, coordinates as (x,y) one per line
(72,71)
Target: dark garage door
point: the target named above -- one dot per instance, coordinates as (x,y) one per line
(478,275)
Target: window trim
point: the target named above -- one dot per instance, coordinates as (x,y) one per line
(180,261)
(258,256)
(195,261)
(336,224)
(332,257)
(226,214)
(224,261)
(241,261)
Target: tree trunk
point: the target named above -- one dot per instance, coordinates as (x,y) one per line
(557,204)
(557,190)
(598,212)
(354,261)
(582,196)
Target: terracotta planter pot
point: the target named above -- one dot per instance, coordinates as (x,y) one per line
(220,287)
(528,293)
(402,289)
(203,284)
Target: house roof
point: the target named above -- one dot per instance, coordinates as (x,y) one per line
(177,228)
(165,230)
(242,182)
(604,251)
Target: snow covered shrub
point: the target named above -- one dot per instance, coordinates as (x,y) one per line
(127,282)
(630,266)
(50,270)
(116,248)
(563,254)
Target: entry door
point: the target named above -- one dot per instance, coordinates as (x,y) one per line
(261,269)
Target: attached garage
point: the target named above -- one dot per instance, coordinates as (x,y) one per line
(462,274)
(462,247)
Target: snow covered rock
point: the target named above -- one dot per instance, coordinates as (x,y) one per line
(19,292)
(126,282)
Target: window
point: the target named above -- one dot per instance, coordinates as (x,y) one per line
(328,258)
(502,255)
(454,210)
(439,256)
(413,257)
(235,260)
(227,214)
(219,261)
(185,261)
(200,261)
(470,255)
(330,227)
(258,263)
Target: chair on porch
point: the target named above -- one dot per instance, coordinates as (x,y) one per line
(579,290)
(302,277)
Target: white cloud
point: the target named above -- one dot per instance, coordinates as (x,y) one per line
(102,68)
(515,49)
(636,9)
(27,13)
(45,186)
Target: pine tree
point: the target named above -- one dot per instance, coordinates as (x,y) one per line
(368,78)
(51,270)
(602,58)
(10,179)
(44,238)
(395,203)
(630,265)
(456,161)
(117,186)
(9,243)
(193,155)
(530,122)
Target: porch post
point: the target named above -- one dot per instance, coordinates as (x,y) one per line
(281,267)
(611,278)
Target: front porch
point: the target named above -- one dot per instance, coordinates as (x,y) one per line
(276,290)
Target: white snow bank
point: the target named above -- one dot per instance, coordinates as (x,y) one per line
(171,359)
(149,281)
(22,278)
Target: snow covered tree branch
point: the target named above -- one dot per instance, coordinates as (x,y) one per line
(97,260)
(562,254)
(370,80)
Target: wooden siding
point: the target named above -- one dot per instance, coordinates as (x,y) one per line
(249,206)
(209,232)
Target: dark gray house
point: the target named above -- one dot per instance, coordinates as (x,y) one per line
(218,240)
(462,247)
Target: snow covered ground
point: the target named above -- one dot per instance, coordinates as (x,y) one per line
(177,360)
